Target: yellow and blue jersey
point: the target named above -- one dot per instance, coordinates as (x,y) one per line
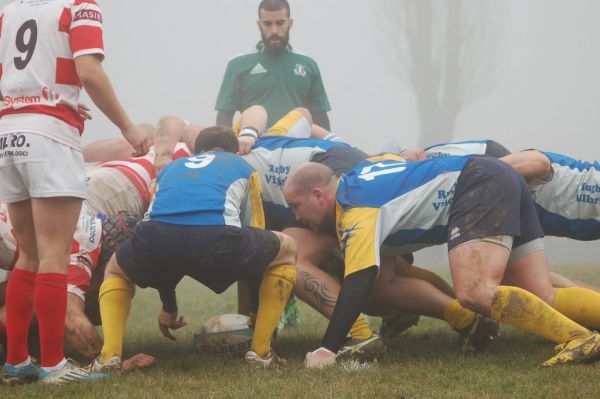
(385,200)
(276,157)
(569,204)
(212,188)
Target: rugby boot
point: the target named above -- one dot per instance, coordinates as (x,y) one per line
(362,349)
(20,375)
(68,373)
(271,361)
(476,337)
(576,351)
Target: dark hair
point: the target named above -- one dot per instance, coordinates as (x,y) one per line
(216,136)
(274,5)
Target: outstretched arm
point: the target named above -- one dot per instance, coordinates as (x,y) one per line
(530,164)
(98,86)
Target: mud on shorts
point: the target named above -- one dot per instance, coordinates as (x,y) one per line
(216,256)
(492,199)
(36,166)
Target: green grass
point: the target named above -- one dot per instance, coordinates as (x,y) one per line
(424,364)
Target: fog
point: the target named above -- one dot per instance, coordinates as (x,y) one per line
(542,89)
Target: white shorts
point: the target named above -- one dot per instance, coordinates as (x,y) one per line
(110,191)
(35,166)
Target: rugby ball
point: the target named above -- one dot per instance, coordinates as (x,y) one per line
(226,334)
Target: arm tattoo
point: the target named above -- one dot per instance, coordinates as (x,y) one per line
(318,289)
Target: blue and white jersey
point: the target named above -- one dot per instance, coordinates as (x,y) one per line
(212,188)
(384,200)
(569,205)
(275,157)
(471,147)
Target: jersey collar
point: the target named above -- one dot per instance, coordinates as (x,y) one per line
(261,48)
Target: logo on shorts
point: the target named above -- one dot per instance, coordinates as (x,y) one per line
(299,70)
(455,233)
(258,69)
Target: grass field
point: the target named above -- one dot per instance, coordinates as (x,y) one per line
(425,363)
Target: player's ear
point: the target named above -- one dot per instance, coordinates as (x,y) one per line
(291,23)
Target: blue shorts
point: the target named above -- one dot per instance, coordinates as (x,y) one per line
(161,254)
(492,199)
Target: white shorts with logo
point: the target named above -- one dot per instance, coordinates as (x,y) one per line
(35,166)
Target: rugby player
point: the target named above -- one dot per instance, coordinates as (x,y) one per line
(214,238)
(94,242)
(480,206)
(49,50)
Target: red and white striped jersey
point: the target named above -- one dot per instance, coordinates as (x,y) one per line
(39,40)
(140,170)
(8,242)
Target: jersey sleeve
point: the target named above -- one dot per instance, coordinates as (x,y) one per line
(253,214)
(86,29)
(358,235)
(228,98)
(317,100)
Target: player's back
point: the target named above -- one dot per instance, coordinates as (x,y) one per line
(276,157)
(569,204)
(40,40)
(207,189)
(413,198)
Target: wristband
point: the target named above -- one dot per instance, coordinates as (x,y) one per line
(249,131)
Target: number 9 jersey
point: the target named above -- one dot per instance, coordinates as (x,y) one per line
(209,189)
(39,40)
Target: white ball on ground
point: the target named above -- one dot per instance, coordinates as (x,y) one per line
(226,334)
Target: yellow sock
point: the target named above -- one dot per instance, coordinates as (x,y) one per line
(115,301)
(522,309)
(457,316)
(275,289)
(431,278)
(579,304)
(360,329)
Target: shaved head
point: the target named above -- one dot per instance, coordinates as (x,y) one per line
(310,193)
(309,176)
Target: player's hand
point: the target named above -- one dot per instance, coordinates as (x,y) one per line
(138,361)
(319,359)
(245,144)
(138,140)
(413,154)
(84,111)
(169,321)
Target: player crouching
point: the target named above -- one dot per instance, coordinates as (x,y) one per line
(205,221)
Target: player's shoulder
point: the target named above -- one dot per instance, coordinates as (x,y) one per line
(244,57)
(301,55)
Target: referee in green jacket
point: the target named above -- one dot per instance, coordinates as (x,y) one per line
(273,74)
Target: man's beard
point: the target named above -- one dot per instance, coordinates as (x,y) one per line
(283,42)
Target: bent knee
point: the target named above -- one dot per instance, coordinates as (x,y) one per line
(477,300)
(305,112)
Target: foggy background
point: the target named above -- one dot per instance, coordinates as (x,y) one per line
(523,72)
